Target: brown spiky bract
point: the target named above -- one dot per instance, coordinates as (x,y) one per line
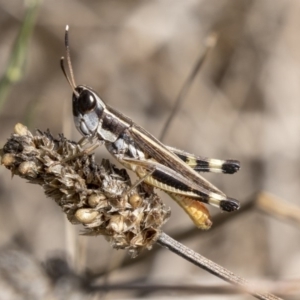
(98,196)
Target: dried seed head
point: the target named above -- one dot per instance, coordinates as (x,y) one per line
(86,215)
(20,129)
(96,199)
(116,223)
(8,160)
(28,169)
(98,196)
(135,200)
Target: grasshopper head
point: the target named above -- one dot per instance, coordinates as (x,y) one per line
(87,110)
(91,116)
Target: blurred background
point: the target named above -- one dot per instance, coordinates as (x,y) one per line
(137,54)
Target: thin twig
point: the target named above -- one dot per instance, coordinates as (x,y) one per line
(210,43)
(154,288)
(290,287)
(213,268)
(278,208)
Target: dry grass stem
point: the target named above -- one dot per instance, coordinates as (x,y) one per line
(278,208)
(213,268)
(101,197)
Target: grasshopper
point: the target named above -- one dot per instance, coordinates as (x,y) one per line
(172,170)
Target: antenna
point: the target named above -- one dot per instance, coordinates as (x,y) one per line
(70,78)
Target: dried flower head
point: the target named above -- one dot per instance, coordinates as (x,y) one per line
(100,197)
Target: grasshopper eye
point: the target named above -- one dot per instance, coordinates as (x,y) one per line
(86,101)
